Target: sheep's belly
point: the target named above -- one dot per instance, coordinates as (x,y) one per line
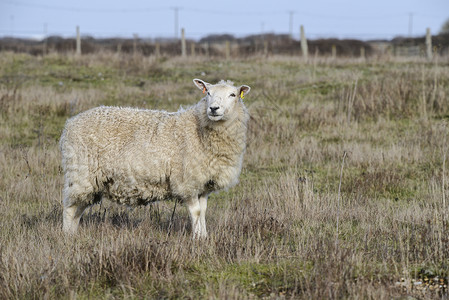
(138,195)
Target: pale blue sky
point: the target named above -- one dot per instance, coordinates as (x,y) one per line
(383,19)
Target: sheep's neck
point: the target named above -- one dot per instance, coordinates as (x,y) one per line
(228,140)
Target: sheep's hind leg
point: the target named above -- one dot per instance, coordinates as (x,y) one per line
(197,208)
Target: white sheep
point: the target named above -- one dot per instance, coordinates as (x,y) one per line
(138,156)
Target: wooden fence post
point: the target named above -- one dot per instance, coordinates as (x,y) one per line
(206,49)
(304,47)
(228,50)
(158,49)
(78,41)
(334,52)
(428,44)
(183,43)
(362,52)
(192,49)
(44,47)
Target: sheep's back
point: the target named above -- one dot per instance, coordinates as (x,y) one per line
(130,146)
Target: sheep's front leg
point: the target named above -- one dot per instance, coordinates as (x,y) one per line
(71,217)
(197,208)
(203,207)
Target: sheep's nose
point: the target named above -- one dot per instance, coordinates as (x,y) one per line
(213,109)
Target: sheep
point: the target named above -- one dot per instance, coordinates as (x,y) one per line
(138,156)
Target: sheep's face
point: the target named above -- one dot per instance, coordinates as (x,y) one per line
(221,98)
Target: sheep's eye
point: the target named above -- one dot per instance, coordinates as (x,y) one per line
(232,95)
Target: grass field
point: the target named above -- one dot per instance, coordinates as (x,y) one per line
(343,193)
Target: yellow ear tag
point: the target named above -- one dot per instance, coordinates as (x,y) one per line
(241,95)
(204,90)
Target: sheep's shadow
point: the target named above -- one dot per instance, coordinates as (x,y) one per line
(118,219)
(163,217)
(51,217)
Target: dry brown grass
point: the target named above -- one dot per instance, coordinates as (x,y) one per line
(272,236)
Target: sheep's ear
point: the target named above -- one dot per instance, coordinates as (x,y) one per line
(243,90)
(202,85)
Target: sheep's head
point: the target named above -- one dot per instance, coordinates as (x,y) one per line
(221,98)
